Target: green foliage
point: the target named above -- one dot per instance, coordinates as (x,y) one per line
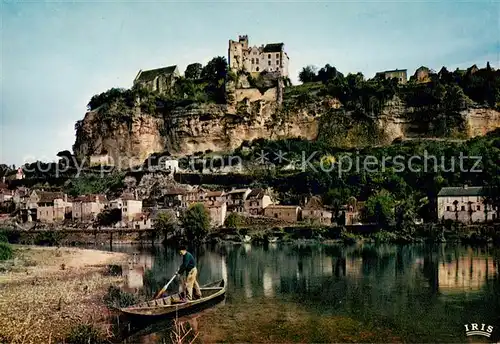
(196,222)
(3,237)
(109,217)
(96,184)
(233,220)
(308,74)
(165,223)
(48,238)
(193,71)
(117,298)
(380,208)
(5,251)
(384,237)
(84,334)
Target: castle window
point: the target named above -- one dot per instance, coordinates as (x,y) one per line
(448,208)
(253,61)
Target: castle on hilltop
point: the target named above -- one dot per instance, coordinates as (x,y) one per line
(270,57)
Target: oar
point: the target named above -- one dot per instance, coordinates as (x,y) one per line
(162,290)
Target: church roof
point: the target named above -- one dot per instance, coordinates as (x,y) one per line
(148,75)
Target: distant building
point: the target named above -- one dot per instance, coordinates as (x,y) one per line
(288,213)
(464,204)
(47,207)
(314,212)
(160,80)
(6,195)
(256,201)
(235,199)
(195,195)
(174,198)
(86,208)
(20,173)
(141,221)
(129,205)
(422,75)
(399,74)
(217,211)
(270,57)
(215,196)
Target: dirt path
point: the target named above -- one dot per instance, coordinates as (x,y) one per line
(46,291)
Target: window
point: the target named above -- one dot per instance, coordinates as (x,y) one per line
(268,56)
(269,62)
(277,56)
(257,62)
(144,221)
(257,69)
(253,61)
(478,207)
(462,208)
(448,208)
(276,215)
(493,216)
(271,69)
(255,53)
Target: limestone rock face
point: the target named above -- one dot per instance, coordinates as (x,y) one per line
(129,136)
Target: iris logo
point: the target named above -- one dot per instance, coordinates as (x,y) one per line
(478,330)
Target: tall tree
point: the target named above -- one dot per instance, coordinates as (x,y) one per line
(196,223)
(308,74)
(193,71)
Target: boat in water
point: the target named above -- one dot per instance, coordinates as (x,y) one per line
(172,304)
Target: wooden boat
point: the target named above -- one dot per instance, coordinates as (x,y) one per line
(172,304)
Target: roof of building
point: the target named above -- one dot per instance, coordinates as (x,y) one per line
(461,191)
(276,206)
(49,197)
(214,193)
(128,197)
(237,191)
(213,204)
(91,198)
(257,193)
(273,48)
(392,71)
(148,75)
(175,191)
(314,203)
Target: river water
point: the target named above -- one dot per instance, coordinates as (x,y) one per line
(332,293)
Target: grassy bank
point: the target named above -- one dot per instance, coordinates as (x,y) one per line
(49,293)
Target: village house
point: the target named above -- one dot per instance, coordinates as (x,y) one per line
(270,57)
(195,195)
(235,199)
(20,174)
(6,195)
(86,208)
(464,204)
(174,198)
(161,80)
(399,74)
(141,221)
(314,212)
(215,196)
(217,211)
(256,201)
(288,213)
(47,207)
(129,206)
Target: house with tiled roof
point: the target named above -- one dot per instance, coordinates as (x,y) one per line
(129,205)
(160,80)
(256,201)
(288,213)
(217,211)
(87,207)
(141,221)
(45,206)
(269,58)
(174,197)
(315,212)
(399,74)
(235,199)
(464,204)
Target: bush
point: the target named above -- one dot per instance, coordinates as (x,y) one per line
(117,298)
(49,238)
(384,236)
(84,334)
(5,251)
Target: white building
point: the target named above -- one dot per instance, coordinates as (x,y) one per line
(464,204)
(129,206)
(270,57)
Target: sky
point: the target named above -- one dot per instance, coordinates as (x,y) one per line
(56,55)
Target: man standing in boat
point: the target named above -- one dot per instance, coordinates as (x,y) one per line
(188,267)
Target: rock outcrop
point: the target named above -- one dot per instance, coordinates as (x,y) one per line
(129,136)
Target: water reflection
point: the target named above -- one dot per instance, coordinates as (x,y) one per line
(427,292)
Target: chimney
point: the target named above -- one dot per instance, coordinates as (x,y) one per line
(465,186)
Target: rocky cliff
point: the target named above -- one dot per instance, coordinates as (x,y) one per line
(129,135)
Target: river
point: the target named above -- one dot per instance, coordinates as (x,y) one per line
(334,293)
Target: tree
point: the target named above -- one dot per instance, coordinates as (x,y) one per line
(165,223)
(328,73)
(308,74)
(380,208)
(193,71)
(196,222)
(109,217)
(233,220)
(215,70)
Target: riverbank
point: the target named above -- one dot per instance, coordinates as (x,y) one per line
(47,291)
